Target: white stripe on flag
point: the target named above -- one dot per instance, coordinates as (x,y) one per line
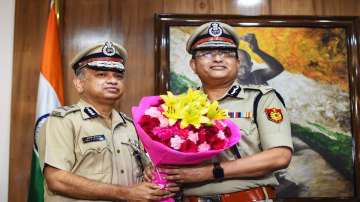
(47,99)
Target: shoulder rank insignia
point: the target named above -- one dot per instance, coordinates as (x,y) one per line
(274,114)
(90,112)
(234,91)
(64,110)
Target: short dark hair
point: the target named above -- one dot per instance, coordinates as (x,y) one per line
(79,72)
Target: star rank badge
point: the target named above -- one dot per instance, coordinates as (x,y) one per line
(274,114)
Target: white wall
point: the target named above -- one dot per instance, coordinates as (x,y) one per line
(7,15)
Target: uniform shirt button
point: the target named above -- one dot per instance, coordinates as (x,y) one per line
(121,171)
(118,151)
(98,149)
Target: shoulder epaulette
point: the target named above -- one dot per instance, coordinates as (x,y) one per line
(262,88)
(123,115)
(64,110)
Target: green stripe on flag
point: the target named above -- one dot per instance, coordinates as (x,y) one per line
(36,189)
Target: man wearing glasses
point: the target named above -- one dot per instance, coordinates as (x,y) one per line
(244,172)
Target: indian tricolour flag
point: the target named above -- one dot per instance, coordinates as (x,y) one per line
(50,96)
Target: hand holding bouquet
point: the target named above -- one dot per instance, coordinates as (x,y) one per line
(183,129)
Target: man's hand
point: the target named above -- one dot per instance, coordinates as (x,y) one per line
(147,192)
(148,177)
(188,174)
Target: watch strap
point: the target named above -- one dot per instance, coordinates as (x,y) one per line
(218,171)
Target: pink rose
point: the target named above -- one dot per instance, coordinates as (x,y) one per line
(203,147)
(194,137)
(176,142)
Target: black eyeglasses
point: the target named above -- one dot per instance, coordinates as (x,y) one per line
(209,54)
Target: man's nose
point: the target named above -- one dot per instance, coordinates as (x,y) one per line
(112,79)
(218,57)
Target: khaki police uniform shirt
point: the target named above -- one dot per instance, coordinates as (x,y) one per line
(78,140)
(268,134)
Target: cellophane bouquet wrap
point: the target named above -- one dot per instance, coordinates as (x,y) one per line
(183,129)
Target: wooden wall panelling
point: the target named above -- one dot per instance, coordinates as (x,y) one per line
(128,22)
(240,7)
(175,6)
(216,7)
(337,7)
(30,21)
(294,7)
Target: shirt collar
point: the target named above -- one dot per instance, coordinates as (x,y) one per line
(117,118)
(88,112)
(235,91)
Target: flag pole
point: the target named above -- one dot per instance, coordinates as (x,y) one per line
(57,10)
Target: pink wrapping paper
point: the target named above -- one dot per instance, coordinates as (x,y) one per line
(161,154)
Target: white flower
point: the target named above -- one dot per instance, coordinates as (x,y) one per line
(153,112)
(194,137)
(176,142)
(221,135)
(164,122)
(204,147)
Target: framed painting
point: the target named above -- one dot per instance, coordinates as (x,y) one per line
(313,62)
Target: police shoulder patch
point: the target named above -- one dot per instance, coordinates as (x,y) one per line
(64,110)
(274,114)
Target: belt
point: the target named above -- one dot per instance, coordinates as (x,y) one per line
(249,195)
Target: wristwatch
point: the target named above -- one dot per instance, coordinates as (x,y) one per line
(218,171)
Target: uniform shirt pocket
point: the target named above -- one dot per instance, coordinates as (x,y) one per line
(244,125)
(95,155)
(250,141)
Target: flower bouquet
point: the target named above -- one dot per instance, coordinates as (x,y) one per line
(183,129)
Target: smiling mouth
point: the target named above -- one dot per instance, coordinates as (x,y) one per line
(218,67)
(112,89)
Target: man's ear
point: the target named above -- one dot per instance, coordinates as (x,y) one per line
(79,84)
(192,65)
(238,61)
